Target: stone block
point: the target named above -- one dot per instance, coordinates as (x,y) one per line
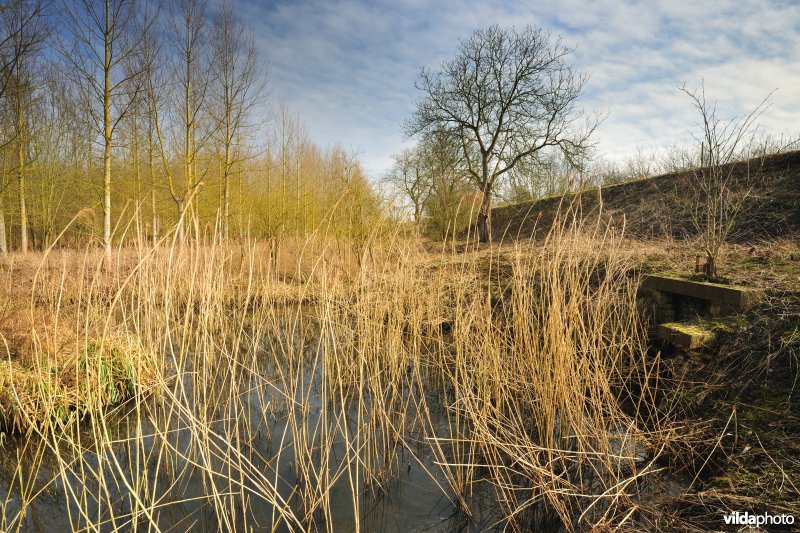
(686,336)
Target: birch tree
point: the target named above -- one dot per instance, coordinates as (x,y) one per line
(190,68)
(156,87)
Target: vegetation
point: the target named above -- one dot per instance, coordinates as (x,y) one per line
(504,100)
(717,203)
(376,351)
(164,129)
(204,330)
(516,374)
(440,194)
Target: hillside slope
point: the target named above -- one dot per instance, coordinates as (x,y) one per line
(662,205)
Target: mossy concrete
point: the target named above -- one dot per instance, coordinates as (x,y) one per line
(689,336)
(689,314)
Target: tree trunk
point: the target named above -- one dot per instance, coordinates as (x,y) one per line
(107,202)
(3,241)
(137,186)
(154,221)
(150,169)
(484,218)
(189,136)
(226,193)
(710,266)
(23,208)
(181,216)
(239,218)
(107,139)
(227,209)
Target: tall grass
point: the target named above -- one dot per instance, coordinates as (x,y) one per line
(260,390)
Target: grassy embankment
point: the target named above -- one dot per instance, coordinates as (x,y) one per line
(742,436)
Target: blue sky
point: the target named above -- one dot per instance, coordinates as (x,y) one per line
(347,67)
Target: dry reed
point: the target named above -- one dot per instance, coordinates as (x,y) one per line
(256,382)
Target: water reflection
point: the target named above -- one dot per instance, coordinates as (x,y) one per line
(150,461)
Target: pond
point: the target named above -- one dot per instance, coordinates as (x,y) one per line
(275,438)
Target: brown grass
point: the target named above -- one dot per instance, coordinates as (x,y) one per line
(521,369)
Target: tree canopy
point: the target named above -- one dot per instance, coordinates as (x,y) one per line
(503,98)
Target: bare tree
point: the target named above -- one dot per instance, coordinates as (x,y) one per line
(156,88)
(24,31)
(452,198)
(101,44)
(430,178)
(410,177)
(721,187)
(49,134)
(290,139)
(21,29)
(191,70)
(177,91)
(236,90)
(136,123)
(505,96)
(549,173)
(27,35)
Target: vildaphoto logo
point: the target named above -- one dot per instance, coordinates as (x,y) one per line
(746,518)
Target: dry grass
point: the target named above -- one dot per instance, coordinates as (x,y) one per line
(260,381)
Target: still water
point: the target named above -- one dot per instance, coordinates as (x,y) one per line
(228,474)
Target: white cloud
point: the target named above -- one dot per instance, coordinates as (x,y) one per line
(348,66)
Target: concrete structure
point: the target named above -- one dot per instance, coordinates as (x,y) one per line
(728,297)
(678,307)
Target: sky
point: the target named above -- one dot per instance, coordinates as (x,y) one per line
(347,67)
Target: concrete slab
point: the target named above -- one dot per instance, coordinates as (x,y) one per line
(738,298)
(686,336)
